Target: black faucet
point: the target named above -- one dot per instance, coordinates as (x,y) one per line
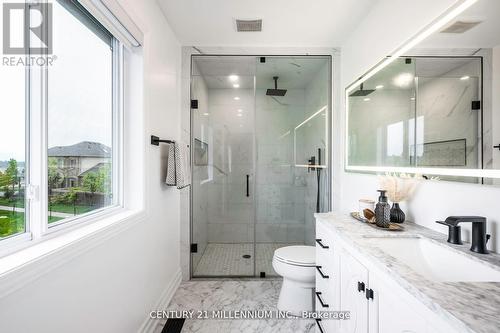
(479,236)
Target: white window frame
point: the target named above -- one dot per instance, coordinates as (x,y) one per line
(37,227)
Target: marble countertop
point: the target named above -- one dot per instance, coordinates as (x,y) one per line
(468,306)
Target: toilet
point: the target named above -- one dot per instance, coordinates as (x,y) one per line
(296,264)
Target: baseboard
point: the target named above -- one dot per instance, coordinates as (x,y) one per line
(149,325)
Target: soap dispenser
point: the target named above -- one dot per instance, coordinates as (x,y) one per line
(382,211)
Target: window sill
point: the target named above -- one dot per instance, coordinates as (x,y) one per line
(19,268)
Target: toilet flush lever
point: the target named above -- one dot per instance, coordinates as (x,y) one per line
(497,146)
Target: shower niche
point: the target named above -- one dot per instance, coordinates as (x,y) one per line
(262,125)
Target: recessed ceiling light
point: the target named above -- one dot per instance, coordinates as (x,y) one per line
(412,98)
(240,110)
(380,86)
(236,98)
(403,80)
(233,78)
(236,85)
(239,115)
(466,77)
(206,114)
(366,99)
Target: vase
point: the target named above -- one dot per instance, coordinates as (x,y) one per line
(397,215)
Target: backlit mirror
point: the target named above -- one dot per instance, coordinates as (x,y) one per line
(435,109)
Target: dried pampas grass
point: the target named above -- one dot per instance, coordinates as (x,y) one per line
(399,187)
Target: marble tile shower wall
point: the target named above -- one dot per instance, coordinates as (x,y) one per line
(230,211)
(284,200)
(280,189)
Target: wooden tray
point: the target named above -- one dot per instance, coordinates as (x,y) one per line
(392,226)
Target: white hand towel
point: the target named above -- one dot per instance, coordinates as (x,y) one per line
(178,171)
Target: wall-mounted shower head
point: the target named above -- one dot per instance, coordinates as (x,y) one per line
(361,92)
(275,91)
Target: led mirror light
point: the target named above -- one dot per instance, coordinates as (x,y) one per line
(432,28)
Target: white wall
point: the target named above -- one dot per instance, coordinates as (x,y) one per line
(113,286)
(388,26)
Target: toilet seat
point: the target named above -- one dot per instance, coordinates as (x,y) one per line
(297,255)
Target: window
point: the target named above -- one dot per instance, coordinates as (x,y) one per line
(12,151)
(80,116)
(59,147)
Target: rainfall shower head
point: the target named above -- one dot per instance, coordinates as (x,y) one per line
(361,92)
(275,91)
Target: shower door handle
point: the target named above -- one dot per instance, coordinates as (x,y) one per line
(248,190)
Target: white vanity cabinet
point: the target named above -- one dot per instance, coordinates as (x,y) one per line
(394,310)
(353,285)
(376,302)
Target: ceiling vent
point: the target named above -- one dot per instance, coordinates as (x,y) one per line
(248,25)
(459,27)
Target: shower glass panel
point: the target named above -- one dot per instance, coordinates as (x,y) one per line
(222,128)
(260,161)
(292,153)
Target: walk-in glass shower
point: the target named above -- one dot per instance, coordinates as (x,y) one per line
(260,128)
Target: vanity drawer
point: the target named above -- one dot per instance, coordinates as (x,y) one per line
(323,240)
(324,251)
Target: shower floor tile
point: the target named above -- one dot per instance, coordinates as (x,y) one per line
(220,259)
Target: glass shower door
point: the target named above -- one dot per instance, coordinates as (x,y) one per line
(222,126)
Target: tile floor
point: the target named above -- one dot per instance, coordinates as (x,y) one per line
(227,259)
(232,294)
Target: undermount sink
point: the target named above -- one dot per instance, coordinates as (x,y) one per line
(434,261)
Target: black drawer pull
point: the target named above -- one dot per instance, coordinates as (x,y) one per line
(318,322)
(369,294)
(318,240)
(248,190)
(323,304)
(323,275)
(361,286)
